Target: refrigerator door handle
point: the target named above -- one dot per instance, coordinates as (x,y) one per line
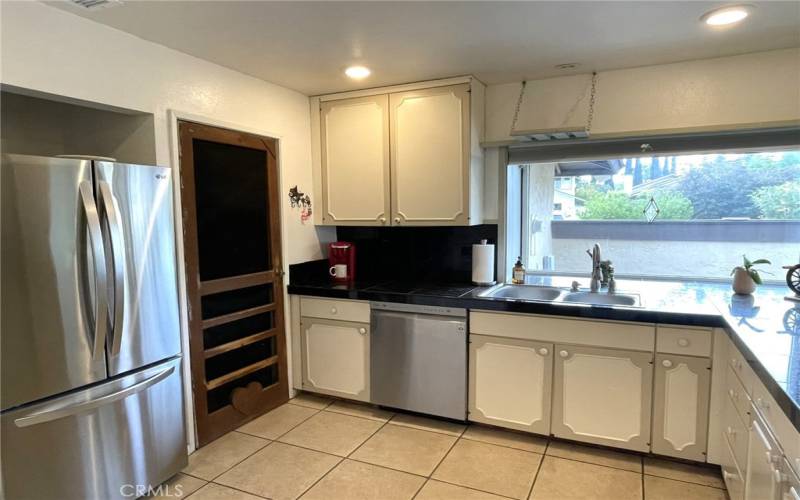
(118,259)
(56,412)
(100,315)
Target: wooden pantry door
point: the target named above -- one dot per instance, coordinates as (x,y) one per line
(234,276)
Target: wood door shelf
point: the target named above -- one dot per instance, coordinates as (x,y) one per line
(227,318)
(220,285)
(235,344)
(241,372)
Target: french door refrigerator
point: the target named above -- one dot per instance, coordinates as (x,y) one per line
(92,402)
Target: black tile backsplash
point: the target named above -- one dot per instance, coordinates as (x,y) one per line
(421,254)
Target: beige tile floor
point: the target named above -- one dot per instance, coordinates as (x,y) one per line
(321,449)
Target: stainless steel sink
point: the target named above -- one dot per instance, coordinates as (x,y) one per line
(602,298)
(524,292)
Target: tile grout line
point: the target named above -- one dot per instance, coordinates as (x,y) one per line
(234,488)
(641,461)
(368,438)
(687,482)
(538,469)
(446,454)
(342,459)
(471,488)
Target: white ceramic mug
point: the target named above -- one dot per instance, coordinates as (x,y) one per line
(339,271)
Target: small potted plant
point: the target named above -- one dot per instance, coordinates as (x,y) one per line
(746,277)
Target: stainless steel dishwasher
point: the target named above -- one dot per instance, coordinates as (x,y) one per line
(418,358)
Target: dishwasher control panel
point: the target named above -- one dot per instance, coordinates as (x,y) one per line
(419,309)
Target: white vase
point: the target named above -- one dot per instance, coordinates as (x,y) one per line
(743,284)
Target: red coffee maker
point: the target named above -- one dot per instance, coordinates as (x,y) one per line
(342,261)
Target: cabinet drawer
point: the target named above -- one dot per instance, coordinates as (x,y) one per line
(778,423)
(633,336)
(735,432)
(731,475)
(343,310)
(685,341)
(740,367)
(737,394)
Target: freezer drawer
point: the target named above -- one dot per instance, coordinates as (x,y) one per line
(99,443)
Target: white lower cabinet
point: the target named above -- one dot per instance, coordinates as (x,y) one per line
(680,406)
(335,357)
(602,396)
(509,383)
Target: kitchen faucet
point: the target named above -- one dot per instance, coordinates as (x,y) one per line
(594,285)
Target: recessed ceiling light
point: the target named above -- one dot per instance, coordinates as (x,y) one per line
(357,72)
(726,15)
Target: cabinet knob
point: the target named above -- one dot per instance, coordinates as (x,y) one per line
(333,310)
(397,220)
(543,351)
(733,394)
(683,342)
(731,431)
(666,363)
(563,354)
(762,404)
(362,331)
(728,476)
(383,220)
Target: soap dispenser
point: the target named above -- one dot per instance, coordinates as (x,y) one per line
(518,274)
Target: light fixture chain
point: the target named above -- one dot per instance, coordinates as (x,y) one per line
(519,105)
(592,95)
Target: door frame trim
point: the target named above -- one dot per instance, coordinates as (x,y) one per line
(174,145)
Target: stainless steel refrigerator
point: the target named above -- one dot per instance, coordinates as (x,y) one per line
(92,401)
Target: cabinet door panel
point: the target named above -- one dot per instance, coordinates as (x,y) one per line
(430,158)
(355,161)
(603,396)
(680,408)
(336,357)
(509,383)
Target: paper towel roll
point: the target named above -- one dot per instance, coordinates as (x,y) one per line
(483,263)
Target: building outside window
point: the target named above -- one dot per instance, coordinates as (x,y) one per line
(708,209)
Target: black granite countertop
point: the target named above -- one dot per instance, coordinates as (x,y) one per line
(765,327)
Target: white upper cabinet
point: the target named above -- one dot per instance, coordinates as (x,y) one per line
(602,396)
(354,136)
(430,156)
(407,155)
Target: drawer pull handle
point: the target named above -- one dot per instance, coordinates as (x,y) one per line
(543,351)
(733,394)
(362,331)
(333,310)
(563,354)
(731,432)
(666,363)
(729,476)
(683,342)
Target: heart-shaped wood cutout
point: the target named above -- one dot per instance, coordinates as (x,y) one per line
(247,400)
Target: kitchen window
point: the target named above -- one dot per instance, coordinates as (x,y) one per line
(668,216)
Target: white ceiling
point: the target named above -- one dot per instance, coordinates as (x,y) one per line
(306,45)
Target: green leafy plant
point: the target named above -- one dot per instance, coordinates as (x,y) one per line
(748,266)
